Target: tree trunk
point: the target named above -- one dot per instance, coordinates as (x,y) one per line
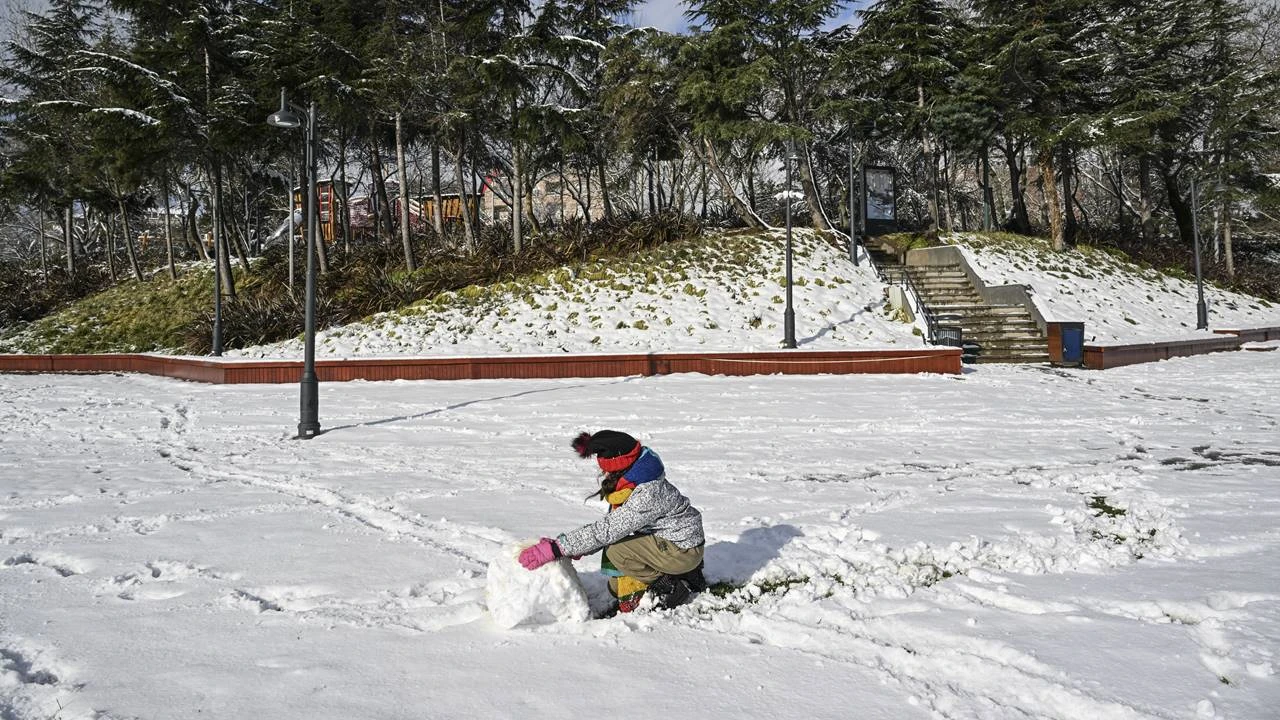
(517,190)
(1181,207)
(402,173)
(648,176)
(949,202)
(221,256)
(679,185)
(128,239)
(726,188)
(606,202)
(817,215)
(930,165)
(69,236)
(535,225)
(469,237)
(110,246)
(235,239)
(247,226)
(380,187)
(1018,221)
(1053,201)
(988,199)
(345,197)
(44,253)
(168,226)
(1228,254)
(191,226)
(1071,227)
(705,188)
(564,185)
(437,209)
(239,237)
(1146,200)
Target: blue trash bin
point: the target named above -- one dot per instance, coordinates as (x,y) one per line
(1073,343)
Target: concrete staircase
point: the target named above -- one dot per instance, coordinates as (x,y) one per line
(1007,333)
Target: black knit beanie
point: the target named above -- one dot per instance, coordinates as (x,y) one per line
(605,444)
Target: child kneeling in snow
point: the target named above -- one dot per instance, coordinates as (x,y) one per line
(651,536)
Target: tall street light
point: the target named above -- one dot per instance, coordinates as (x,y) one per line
(853,228)
(789,315)
(1202,310)
(289,116)
(217,286)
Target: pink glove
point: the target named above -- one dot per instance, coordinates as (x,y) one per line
(539,554)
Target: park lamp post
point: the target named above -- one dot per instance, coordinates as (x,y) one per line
(217,288)
(289,116)
(1202,310)
(853,228)
(789,315)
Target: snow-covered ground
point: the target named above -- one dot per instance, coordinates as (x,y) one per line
(1013,542)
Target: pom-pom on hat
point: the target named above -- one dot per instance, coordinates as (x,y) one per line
(615,451)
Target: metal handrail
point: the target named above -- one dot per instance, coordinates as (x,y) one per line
(905,280)
(930,320)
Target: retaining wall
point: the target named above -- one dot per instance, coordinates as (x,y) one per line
(1102,357)
(213,370)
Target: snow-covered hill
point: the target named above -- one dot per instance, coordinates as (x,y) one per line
(726,292)
(721,293)
(1117,300)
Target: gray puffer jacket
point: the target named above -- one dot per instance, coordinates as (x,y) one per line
(654,508)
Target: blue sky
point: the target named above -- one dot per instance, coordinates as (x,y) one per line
(669,14)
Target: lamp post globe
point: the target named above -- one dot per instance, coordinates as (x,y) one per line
(284,117)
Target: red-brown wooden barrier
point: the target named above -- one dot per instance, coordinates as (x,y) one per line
(1253,334)
(211,370)
(1103,357)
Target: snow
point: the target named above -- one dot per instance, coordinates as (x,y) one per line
(723,296)
(515,596)
(1013,542)
(140,117)
(1117,301)
(727,295)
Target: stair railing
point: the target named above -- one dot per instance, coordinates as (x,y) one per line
(930,320)
(904,280)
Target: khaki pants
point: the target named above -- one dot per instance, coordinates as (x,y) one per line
(646,557)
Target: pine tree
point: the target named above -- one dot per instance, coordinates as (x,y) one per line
(43,128)
(1045,54)
(908,50)
(759,73)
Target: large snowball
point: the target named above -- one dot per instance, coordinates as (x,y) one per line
(516,596)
